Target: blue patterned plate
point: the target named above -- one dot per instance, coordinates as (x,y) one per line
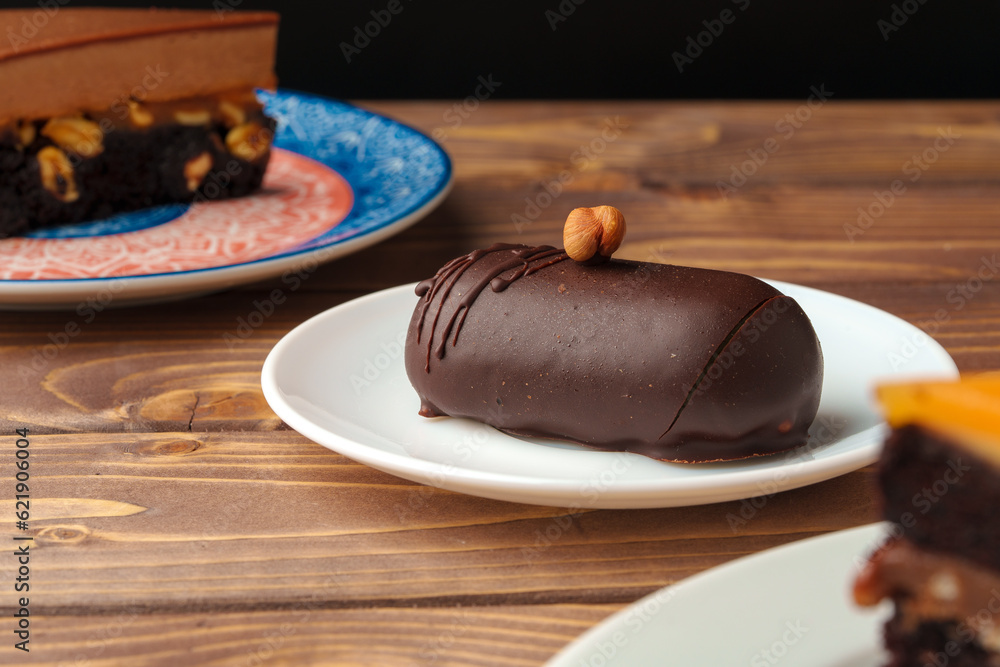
(340,179)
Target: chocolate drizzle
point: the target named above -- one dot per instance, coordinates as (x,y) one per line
(444,280)
(676,363)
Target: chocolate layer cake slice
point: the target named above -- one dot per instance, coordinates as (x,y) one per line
(110,110)
(939,478)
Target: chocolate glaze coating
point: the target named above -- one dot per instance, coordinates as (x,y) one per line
(676,363)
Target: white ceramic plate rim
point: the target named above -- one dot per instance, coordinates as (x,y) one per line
(539,489)
(763,570)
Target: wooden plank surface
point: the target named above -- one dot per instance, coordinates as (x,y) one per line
(182,522)
(519,636)
(173,508)
(121,375)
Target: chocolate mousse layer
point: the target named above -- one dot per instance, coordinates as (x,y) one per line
(69,59)
(676,363)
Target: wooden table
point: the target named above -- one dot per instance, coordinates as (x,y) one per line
(177,521)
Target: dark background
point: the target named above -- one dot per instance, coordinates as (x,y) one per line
(625,48)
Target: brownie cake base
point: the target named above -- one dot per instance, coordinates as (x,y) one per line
(58,171)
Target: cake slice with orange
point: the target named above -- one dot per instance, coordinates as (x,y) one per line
(939,478)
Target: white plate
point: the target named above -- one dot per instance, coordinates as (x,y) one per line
(788,606)
(339,379)
(340,179)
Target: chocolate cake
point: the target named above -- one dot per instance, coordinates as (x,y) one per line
(110,110)
(676,363)
(939,480)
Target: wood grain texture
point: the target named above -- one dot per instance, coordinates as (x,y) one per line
(198,380)
(239,521)
(172,507)
(459,637)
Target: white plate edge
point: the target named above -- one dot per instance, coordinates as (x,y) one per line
(497,486)
(866,536)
